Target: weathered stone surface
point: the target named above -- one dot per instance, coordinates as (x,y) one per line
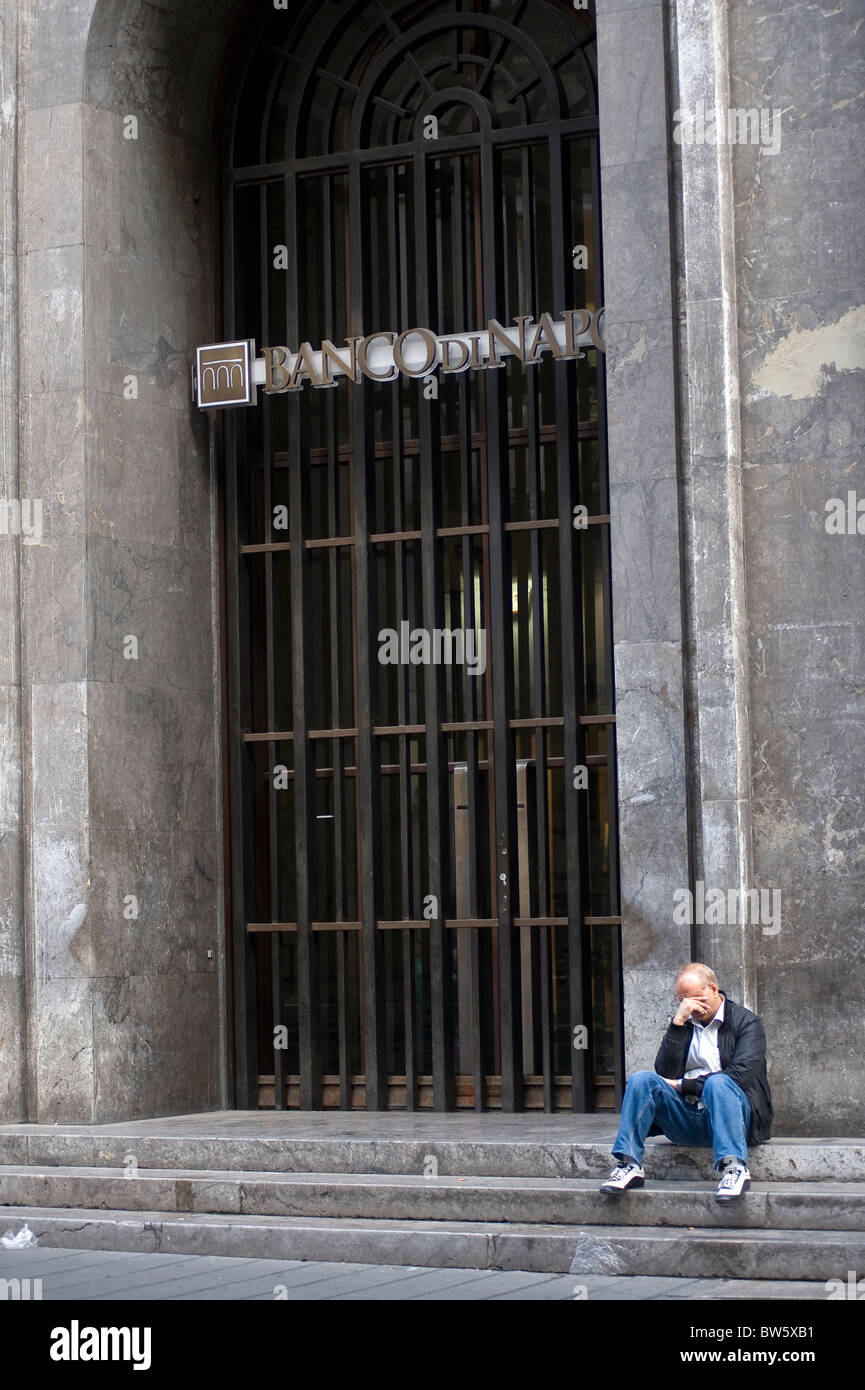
(734,408)
(787,1255)
(635,130)
(640,361)
(491,1145)
(340,1196)
(799,274)
(116,281)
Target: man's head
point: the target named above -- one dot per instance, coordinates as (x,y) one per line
(697,981)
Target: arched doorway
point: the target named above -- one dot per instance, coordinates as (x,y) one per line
(424,860)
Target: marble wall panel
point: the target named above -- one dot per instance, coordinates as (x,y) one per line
(12,940)
(13,1042)
(802,345)
(644,509)
(57,631)
(54,71)
(52,140)
(56,460)
(117,284)
(52,309)
(134,331)
(808,60)
(133,472)
(150,759)
(160,213)
(154,595)
(641,409)
(62,1067)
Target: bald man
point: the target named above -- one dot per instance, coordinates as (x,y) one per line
(709,1087)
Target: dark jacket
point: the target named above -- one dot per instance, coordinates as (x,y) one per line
(742,1050)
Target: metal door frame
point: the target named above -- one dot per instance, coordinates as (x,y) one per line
(508,921)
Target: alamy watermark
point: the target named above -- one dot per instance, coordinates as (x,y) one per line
(20,1290)
(726,906)
(738,125)
(22,518)
(443,646)
(845,518)
(854,1289)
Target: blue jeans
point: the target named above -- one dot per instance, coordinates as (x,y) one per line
(722,1125)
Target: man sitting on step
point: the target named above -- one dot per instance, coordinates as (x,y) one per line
(709,1087)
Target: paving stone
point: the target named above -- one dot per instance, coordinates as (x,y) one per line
(488,1285)
(132,1281)
(148,1278)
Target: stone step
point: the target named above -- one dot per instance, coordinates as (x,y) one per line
(304,1149)
(408,1197)
(624,1250)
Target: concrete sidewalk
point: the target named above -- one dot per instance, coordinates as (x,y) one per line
(106,1276)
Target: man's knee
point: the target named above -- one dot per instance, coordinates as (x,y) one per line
(718,1081)
(643,1079)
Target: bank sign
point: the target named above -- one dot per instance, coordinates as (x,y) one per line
(229,374)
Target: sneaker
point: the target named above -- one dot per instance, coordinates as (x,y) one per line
(623,1177)
(734,1182)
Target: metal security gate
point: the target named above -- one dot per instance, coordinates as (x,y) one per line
(424,870)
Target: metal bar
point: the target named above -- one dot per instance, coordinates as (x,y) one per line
(309,1001)
(611,921)
(342,1015)
(463,233)
(447,727)
(314,926)
(543,982)
(270,680)
(369,814)
(431,570)
(345,161)
(571,645)
(499,48)
(502,645)
(613,847)
(553,721)
(407,866)
(540,921)
(240,810)
(336,616)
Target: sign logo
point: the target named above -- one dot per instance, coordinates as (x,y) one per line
(223,374)
(230,373)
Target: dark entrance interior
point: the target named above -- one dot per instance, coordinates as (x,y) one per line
(424,883)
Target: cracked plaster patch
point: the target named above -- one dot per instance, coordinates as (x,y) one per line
(797,366)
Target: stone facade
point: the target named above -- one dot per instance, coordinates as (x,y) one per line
(734,324)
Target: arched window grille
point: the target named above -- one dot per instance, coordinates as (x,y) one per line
(424,859)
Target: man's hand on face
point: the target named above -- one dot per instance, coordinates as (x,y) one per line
(686,1007)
